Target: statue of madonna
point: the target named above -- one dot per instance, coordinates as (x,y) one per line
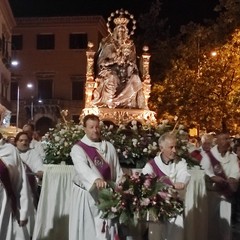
(119,84)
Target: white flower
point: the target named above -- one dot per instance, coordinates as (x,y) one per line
(134,127)
(181,131)
(134,122)
(180,127)
(145,150)
(134,141)
(121,127)
(125,154)
(57,138)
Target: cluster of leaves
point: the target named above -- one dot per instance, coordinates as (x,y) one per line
(190,83)
(139,198)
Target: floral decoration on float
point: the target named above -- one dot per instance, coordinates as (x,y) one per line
(135,143)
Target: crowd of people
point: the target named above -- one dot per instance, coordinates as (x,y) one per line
(21,172)
(96,162)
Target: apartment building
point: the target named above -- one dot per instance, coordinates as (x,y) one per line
(51,74)
(7,23)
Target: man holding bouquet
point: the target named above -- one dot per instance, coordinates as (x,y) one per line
(95,162)
(173,172)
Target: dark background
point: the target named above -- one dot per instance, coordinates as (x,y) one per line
(177,11)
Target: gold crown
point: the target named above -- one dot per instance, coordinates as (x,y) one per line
(121,20)
(123,17)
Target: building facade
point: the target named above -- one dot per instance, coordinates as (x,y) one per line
(7,23)
(50,77)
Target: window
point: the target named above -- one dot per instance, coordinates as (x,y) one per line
(45,41)
(78,41)
(13,90)
(17,42)
(78,89)
(13,120)
(45,89)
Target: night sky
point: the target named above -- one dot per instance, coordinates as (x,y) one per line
(177,11)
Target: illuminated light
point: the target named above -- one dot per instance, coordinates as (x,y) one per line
(29,85)
(213,53)
(14,62)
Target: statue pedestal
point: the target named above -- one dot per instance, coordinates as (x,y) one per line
(122,115)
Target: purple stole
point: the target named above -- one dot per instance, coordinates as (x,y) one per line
(33,184)
(218,171)
(161,175)
(97,160)
(5,179)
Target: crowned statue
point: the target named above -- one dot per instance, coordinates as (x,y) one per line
(113,77)
(119,84)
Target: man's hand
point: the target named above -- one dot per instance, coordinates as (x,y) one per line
(22,223)
(100,183)
(179,185)
(218,179)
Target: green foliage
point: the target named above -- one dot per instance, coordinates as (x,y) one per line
(201,88)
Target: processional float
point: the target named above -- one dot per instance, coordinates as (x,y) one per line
(114,89)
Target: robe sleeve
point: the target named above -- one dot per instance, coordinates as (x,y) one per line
(83,167)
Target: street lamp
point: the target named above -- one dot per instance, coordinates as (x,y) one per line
(30,85)
(17,117)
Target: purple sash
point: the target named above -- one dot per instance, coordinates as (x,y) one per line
(33,184)
(5,179)
(218,171)
(162,176)
(97,160)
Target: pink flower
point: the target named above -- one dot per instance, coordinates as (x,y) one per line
(147,183)
(164,195)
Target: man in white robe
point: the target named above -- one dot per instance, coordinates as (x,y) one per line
(33,164)
(30,156)
(12,228)
(222,169)
(85,222)
(37,145)
(167,164)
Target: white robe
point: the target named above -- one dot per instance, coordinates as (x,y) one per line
(174,228)
(38,146)
(84,220)
(34,161)
(219,208)
(9,228)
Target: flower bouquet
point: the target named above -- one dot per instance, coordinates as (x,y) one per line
(139,198)
(59,141)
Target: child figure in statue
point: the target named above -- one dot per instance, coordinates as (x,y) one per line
(119,84)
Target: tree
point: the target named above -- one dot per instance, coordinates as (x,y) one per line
(201,88)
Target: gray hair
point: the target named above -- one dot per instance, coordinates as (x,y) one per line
(207,137)
(167,135)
